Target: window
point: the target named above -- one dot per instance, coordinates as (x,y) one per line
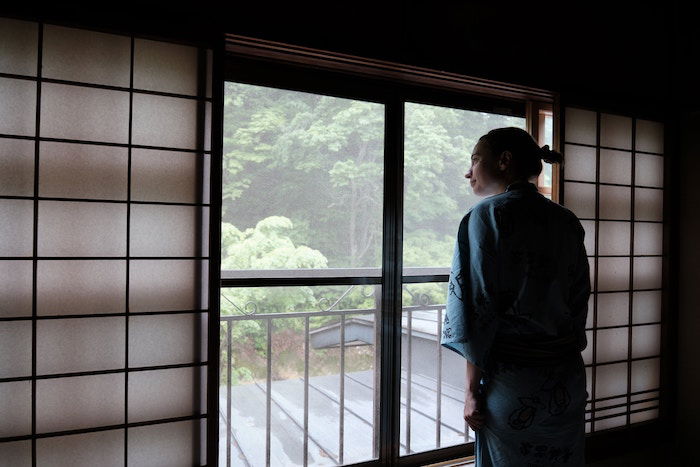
(103,247)
(337,349)
(302,200)
(614,182)
(341,179)
(438,143)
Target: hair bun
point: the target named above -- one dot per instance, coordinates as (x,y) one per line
(548,155)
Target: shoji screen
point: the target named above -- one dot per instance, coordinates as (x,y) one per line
(104,152)
(614,182)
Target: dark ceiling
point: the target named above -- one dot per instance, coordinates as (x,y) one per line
(639,52)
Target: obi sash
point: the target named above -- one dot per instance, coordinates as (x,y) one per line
(534,350)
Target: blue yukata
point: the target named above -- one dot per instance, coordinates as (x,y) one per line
(516,307)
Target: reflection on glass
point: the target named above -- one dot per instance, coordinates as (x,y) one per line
(437,149)
(299,374)
(302,180)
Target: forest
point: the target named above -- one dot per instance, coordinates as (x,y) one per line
(303,189)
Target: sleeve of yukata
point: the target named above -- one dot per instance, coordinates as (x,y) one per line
(471,320)
(580,288)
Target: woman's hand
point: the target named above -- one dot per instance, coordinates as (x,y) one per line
(473,411)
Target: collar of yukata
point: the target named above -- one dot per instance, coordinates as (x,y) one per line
(521,185)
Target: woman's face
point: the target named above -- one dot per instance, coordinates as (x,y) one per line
(485,175)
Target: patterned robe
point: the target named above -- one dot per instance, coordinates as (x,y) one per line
(516,307)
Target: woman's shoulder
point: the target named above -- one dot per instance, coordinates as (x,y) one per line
(499,206)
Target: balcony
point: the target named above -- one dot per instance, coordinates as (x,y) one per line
(316,401)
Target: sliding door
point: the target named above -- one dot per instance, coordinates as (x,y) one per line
(614,182)
(104,151)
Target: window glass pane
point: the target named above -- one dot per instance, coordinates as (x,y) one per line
(591,272)
(82,344)
(19,451)
(650,136)
(644,395)
(432,377)
(649,170)
(647,272)
(165,67)
(159,230)
(165,121)
(579,163)
(15,409)
(15,349)
(645,374)
(611,344)
(102,286)
(103,448)
(648,204)
(615,167)
(611,422)
(613,309)
(89,114)
(81,229)
(646,341)
(302,180)
(589,316)
(82,171)
(646,307)
(158,339)
(546,137)
(611,380)
(438,145)
(16,167)
(614,238)
(615,202)
(167,393)
(342,370)
(613,273)
(79,402)
(166,285)
(18,48)
(17,106)
(645,415)
(86,56)
(15,288)
(580,126)
(587,353)
(173,444)
(589,237)
(589,381)
(16,227)
(648,238)
(580,198)
(615,131)
(168,176)
(207,126)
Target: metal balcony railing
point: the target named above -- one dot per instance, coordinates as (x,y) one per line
(332,419)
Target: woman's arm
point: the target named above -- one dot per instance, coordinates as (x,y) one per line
(472,398)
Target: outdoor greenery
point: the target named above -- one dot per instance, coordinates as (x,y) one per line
(303,188)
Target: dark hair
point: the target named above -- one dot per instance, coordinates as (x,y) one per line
(527,154)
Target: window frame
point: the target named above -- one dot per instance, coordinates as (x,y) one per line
(254,61)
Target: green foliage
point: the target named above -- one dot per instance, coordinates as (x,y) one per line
(303,188)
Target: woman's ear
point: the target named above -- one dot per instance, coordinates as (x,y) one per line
(505,160)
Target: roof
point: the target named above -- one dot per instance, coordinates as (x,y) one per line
(248,419)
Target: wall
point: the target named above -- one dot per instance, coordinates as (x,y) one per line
(641,58)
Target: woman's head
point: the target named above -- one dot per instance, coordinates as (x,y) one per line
(505,155)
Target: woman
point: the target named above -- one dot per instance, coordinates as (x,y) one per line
(516,310)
